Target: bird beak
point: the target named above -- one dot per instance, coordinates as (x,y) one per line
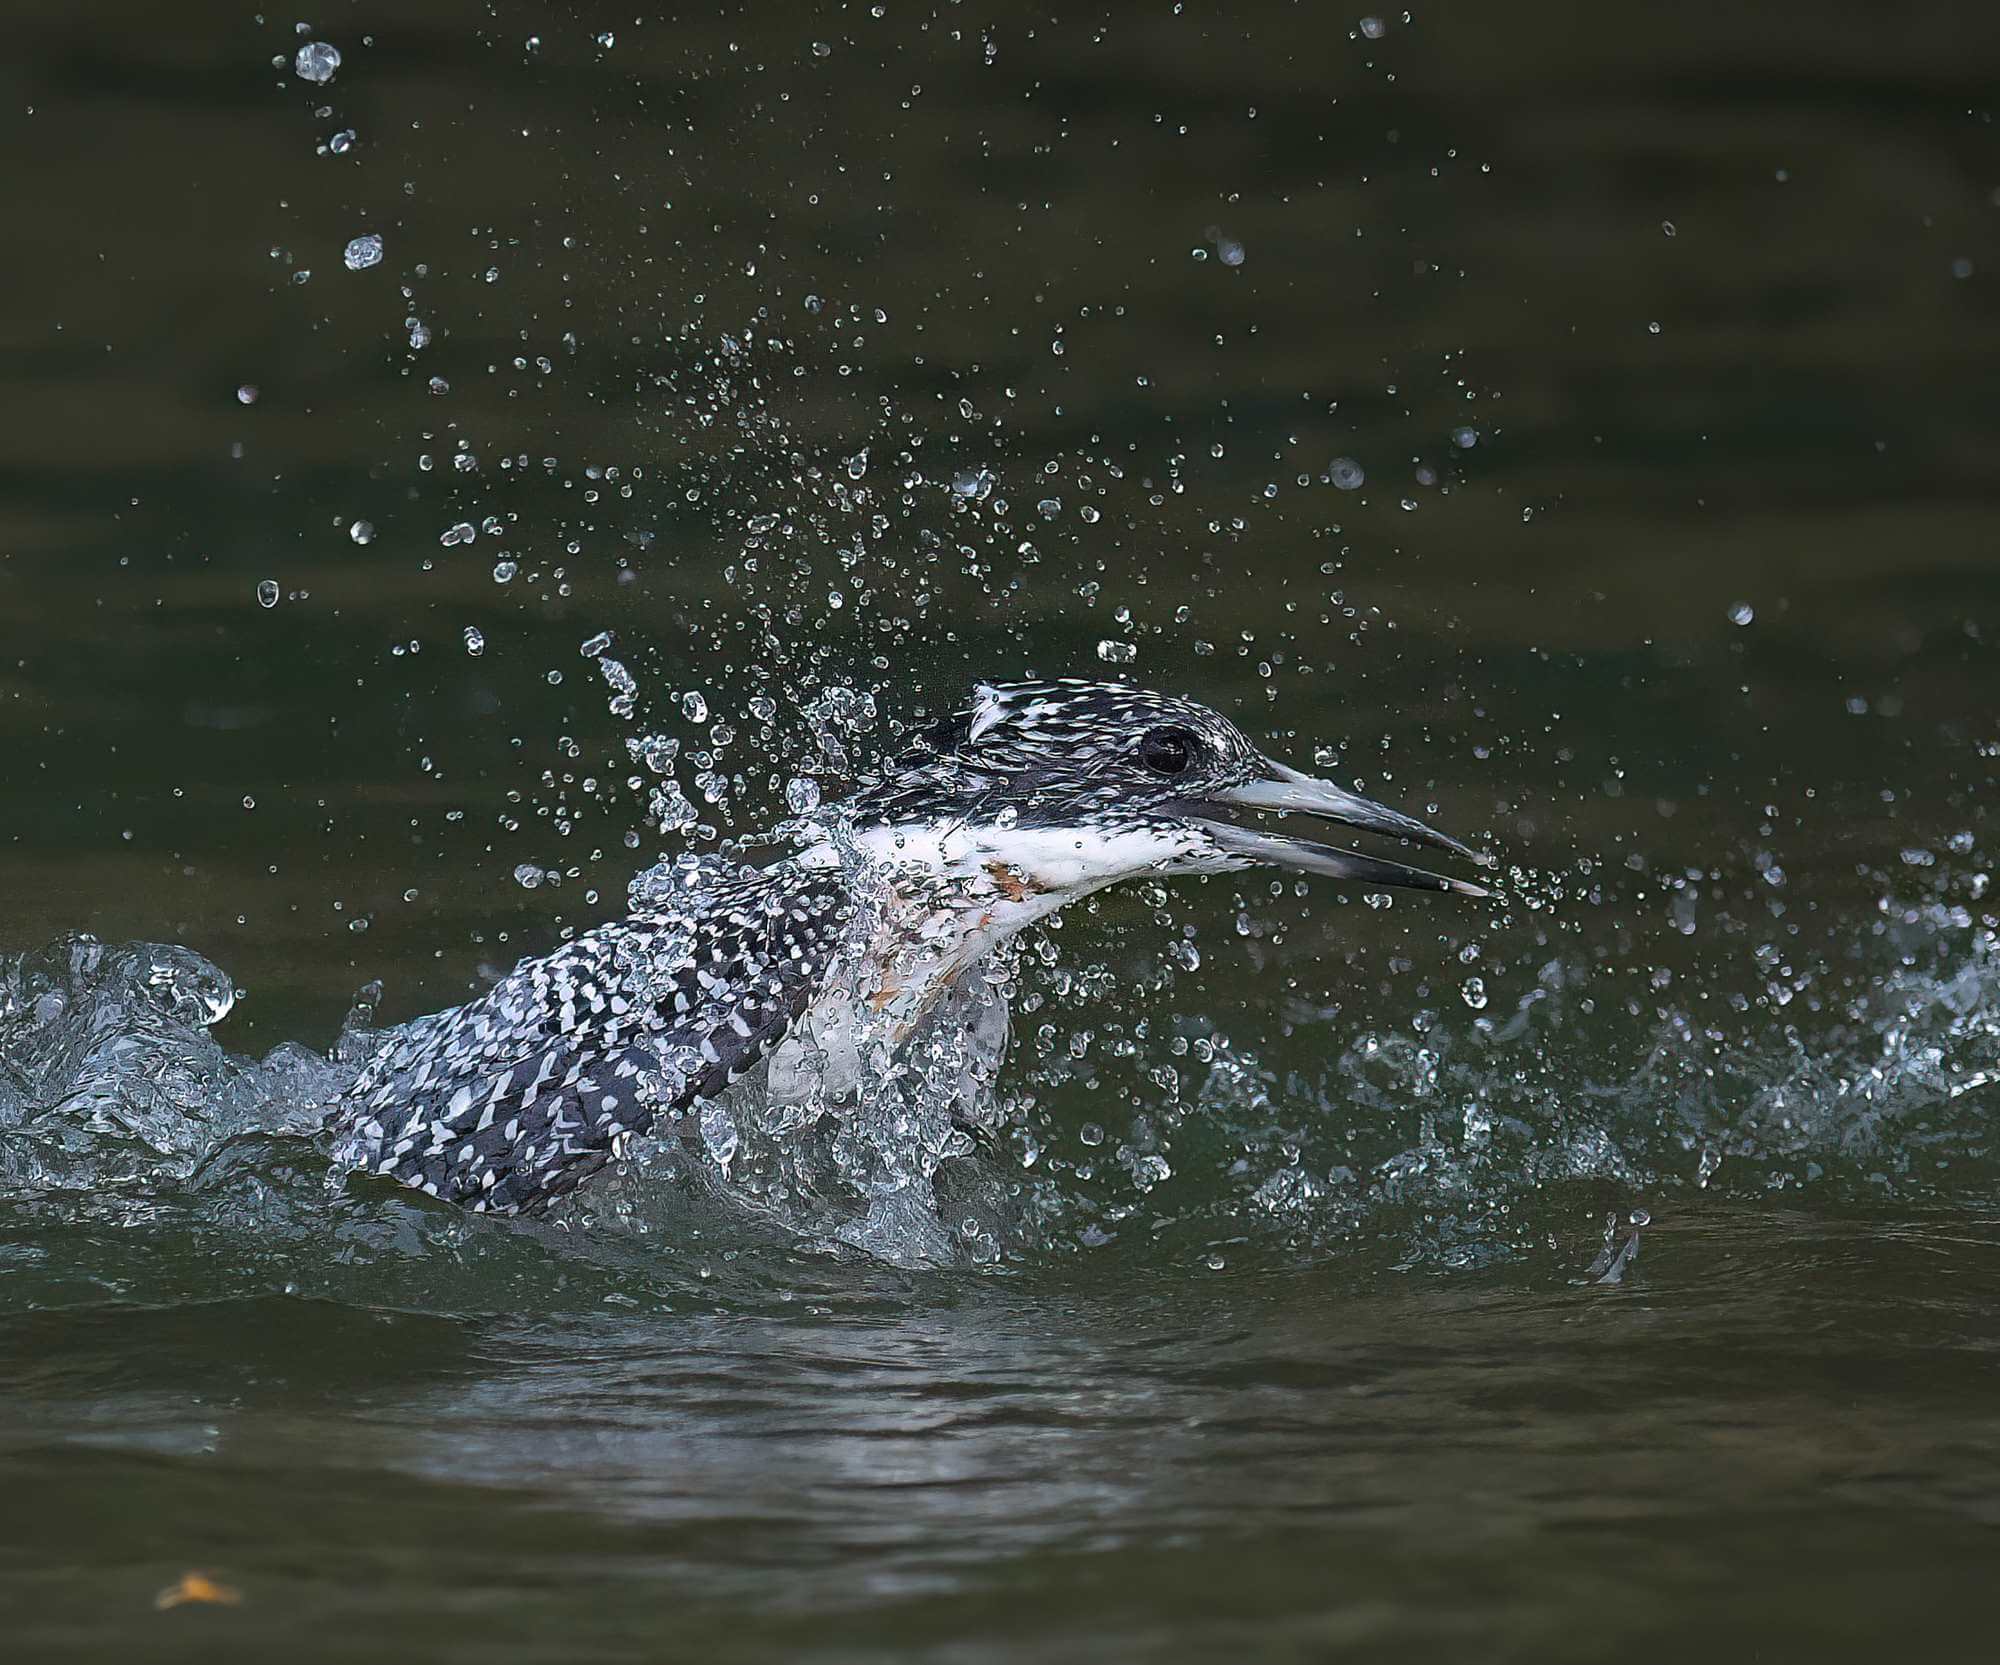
(1284,791)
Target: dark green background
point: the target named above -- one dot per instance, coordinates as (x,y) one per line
(1778,1436)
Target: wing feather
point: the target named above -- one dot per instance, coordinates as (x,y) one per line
(510,1101)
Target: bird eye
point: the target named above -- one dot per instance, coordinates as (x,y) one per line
(1167,751)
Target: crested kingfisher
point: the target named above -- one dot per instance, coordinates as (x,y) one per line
(818,967)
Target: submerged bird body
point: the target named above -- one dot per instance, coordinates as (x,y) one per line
(821,966)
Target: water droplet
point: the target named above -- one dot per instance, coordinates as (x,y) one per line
(528,876)
(607,40)
(1473,993)
(1653,328)
(1091,1134)
(503,571)
(267,592)
(1090,515)
(316,61)
(453,536)
(1742,613)
(1465,438)
(1373,28)
(694,706)
(718,1133)
(364,251)
(342,142)
(1229,251)
(475,641)
(802,795)
(246,394)
(361,531)
(1346,473)
(597,646)
(1117,653)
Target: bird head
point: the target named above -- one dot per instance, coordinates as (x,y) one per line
(1073,785)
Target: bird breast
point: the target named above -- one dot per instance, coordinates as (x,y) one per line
(926,937)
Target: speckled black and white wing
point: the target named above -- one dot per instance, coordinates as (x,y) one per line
(521,1095)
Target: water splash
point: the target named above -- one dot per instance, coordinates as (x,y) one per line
(1448,1136)
(856,1131)
(110,1080)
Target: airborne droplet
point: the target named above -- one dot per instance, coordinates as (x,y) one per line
(316,61)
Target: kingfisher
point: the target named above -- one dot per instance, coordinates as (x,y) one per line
(820,967)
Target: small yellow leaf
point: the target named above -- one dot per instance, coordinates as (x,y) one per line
(196,1586)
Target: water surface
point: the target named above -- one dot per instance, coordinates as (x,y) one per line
(1578,432)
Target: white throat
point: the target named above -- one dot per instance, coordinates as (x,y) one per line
(953,892)
(1050,865)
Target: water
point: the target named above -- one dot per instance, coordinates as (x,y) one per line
(317,61)
(1607,1266)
